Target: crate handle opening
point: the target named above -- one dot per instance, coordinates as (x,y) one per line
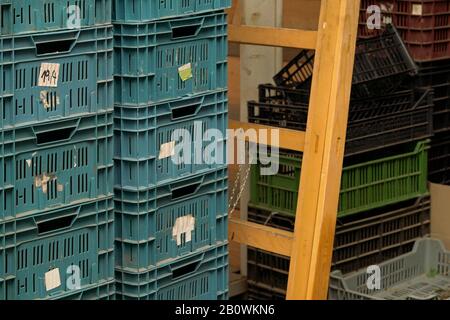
(185,191)
(56,224)
(56,44)
(185,31)
(55,135)
(185,270)
(54,47)
(186,111)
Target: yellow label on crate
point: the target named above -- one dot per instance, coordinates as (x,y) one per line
(185,72)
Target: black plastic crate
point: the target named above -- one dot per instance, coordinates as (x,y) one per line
(360,241)
(439,159)
(260,292)
(436,75)
(374,123)
(381,65)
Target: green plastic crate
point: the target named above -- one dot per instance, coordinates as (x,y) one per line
(364,186)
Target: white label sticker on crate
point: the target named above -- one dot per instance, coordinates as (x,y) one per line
(52,279)
(183,226)
(185,72)
(417,10)
(167,150)
(48,75)
(49,99)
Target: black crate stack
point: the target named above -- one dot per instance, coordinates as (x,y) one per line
(384,204)
(425,29)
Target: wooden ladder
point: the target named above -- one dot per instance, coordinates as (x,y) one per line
(310,246)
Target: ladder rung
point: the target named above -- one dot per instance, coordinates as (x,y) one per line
(261,237)
(273,37)
(289,139)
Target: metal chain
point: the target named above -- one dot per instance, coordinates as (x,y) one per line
(244,184)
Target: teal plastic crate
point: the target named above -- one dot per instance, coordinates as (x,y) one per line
(104,291)
(36,251)
(163,224)
(422,274)
(33,16)
(170,59)
(55,164)
(364,186)
(142,133)
(148,10)
(55,75)
(200,277)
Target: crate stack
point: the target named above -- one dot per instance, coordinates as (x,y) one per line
(56,130)
(384,204)
(424,26)
(171,208)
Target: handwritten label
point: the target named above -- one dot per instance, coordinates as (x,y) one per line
(48,75)
(185,72)
(167,150)
(52,279)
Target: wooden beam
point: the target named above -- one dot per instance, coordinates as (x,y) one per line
(261,237)
(324,151)
(289,139)
(238,285)
(272,37)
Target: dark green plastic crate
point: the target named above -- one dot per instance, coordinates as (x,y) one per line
(34,16)
(145,220)
(147,10)
(147,58)
(141,131)
(361,240)
(104,291)
(84,81)
(55,164)
(81,235)
(203,276)
(364,186)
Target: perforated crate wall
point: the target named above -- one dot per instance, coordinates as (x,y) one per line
(55,75)
(148,58)
(163,224)
(34,16)
(53,241)
(57,164)
(142,134)
(203,276)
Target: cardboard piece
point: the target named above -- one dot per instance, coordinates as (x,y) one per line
(440,213)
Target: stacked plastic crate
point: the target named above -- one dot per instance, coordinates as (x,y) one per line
(56,127)
(424,26)
(384,205)
(170,191)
